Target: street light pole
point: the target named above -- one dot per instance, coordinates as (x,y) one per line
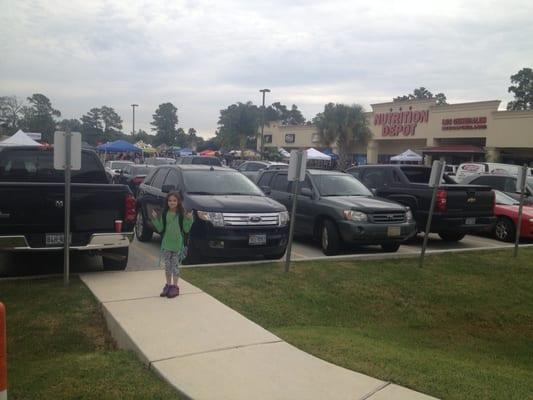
(263,122)
(133,107)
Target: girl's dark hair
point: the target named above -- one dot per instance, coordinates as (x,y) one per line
(180,205)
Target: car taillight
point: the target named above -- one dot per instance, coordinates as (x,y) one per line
(131,212)
(441,201)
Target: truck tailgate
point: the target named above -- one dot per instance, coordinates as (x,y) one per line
(39,208)
(469,200)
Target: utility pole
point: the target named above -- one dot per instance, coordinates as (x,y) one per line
(133,107)
(263,122)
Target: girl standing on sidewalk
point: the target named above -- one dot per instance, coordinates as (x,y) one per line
(172,226)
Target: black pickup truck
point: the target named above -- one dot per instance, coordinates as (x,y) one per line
(32,201)
(459,209)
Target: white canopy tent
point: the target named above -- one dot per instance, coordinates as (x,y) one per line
(408,155)
(19,139)
(314,154)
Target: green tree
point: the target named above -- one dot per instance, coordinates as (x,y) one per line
(74,125)
(39,116)
(238,124)
(280,112)
(144,136)
(111,121)
(91,129)
(10,113)
(522,90)
(164,124)
(344,125)
(423,93)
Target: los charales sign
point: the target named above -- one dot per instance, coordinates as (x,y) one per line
(401,122)
(457,124)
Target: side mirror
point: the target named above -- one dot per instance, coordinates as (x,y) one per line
(168,188)
(374,191)
(306,192)
(266,189)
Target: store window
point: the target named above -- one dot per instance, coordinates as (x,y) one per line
(290,137)
(268,138)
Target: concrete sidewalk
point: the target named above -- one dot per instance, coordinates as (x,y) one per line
(206,350)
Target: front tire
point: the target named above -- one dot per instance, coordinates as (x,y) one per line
(118,260)
(390,247)
(329,238)
(452,236)
(505,230)
(142,232)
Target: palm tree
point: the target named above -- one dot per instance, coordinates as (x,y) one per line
(344,125)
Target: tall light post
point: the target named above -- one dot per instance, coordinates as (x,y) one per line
(263,122)
(133,107)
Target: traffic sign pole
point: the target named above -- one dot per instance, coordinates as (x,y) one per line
(521,180)
(66,239)
(297,176)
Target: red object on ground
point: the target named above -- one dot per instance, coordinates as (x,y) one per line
(511,212)
(3,353)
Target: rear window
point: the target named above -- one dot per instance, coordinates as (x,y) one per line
(422,175)
(38,166)
(206,161)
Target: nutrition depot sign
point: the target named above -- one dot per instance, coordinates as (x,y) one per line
(457,124)
(401,122)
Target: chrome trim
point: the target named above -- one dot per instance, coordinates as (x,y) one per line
(252,219)
(387,218)
(98,241)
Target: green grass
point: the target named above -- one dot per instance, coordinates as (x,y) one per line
(58,347)
(459,328)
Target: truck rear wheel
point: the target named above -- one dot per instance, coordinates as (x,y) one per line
(329,238)
(452,236)
(142,232)
(117,260)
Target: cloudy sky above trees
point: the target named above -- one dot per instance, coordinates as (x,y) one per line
(205,55)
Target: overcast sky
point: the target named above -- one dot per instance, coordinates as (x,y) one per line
(205,55)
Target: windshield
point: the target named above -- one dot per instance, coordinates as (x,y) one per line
(503,199)
(229,182)
(119,164)
(140,170)
(340,185)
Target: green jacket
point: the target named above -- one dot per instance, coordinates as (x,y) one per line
(173,238)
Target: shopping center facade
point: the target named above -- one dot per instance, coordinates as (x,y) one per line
(475,131)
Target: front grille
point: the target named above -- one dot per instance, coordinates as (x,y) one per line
(251,219)
(388,218)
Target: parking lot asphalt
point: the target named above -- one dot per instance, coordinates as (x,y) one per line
(145,256)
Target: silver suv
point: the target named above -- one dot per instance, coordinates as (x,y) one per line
(252,169)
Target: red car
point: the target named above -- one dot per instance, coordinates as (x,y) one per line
(506,210)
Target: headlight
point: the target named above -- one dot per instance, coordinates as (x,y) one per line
(283,218)
(409,215)
(356,216)
(215,218)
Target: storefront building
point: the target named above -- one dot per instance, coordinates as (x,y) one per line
(456,132)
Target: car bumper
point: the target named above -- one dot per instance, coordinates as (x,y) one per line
(97,241)
(366,233)
(235,243)
(481,224)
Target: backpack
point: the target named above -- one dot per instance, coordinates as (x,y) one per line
(180,223)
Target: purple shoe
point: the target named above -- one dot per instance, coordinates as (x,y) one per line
(173,291)
(164,293)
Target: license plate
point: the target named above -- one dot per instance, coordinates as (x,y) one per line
(470,221)
(257,240)
(394,231)
(55,239)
